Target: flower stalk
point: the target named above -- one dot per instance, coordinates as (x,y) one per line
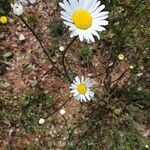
(43,48)
(64,58)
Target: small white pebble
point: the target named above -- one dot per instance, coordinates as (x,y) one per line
(62,112)
(139,88)
(21,37)
(142,67)
(89,74)
(131,67)
(41,121)
(36,139)
(111,64)
(146,146)
(139,74)
(61,48)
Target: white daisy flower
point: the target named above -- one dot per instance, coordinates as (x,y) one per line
(81,89)
(84,18)
(18,9)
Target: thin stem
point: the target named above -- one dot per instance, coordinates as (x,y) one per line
(66,124)
(130,14)
(63,56)
(116,80)
(58,108)
(68,46)
(43,48)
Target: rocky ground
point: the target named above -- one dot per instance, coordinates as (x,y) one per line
(30,88)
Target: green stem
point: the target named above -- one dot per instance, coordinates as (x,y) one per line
(43,48)
(64,58)
(58,108)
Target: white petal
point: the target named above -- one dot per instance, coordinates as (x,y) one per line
(67,23)
(91,94)
(64,13)
(98,28)
(101,14)
(72,27)
(90,36)
(75,94)
(66,18)
(73,91)
(77,97)
(86,38)
(66,3)
(77,79)
(92,9)
(87,4)
(87,96)
(95,34)
(102,22)
(74,33)
(73,4)
(81,36)
(73,86)
(98,10)
(82,79)
(75,82)
(81,2)
(84,98)
(81,98)
(66,8)
(101,18)
(92,4)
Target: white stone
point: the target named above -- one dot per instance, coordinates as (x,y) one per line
(131,67)
(21,37)
(139,74)
(139,88)
(146,146)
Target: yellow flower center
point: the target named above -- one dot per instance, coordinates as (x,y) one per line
(82,88)
(82,19)
(3,19)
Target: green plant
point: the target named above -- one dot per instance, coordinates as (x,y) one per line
(4,7)
(56,28)
(32,20)
(86,55)
(31,103)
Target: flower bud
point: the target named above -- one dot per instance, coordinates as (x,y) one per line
(62,112)
(41,121)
